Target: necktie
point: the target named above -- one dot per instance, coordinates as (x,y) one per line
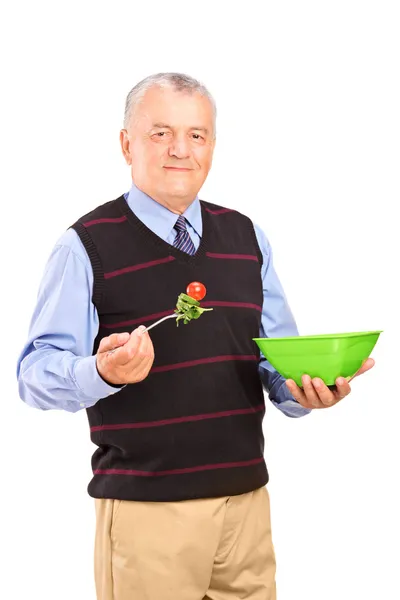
(183,241)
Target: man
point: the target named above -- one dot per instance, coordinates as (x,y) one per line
(179,475)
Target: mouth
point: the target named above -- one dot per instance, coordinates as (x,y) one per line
(180,169)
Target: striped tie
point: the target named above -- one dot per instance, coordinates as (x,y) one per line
(183,240)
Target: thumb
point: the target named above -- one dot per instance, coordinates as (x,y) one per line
(113,341)
(366,366)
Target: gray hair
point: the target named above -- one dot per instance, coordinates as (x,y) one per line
(178,81)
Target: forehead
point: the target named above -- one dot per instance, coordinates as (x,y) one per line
(174,108)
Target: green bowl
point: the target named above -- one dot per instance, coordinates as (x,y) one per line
(326,356)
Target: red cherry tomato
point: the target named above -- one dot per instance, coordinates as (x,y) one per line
(196,290)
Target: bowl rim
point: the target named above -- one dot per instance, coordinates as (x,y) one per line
(319,336)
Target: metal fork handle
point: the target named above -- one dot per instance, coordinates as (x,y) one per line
(150,327)
(160,321)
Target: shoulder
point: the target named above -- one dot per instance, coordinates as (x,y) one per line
(107,210)
(238,216)
(70,242)
(70,245)
(218,209)
(227,214)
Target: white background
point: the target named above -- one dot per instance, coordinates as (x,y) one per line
(308,146)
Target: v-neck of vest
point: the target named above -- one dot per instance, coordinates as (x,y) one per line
(153,237)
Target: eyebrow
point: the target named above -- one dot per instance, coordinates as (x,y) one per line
(166,126)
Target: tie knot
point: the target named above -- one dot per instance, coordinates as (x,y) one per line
(180,224)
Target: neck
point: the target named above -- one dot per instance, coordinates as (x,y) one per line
(174,204)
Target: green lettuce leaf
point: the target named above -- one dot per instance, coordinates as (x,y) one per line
(188,308)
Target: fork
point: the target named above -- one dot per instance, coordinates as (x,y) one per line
(150,327)
(160,321)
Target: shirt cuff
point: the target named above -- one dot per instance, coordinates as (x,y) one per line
(90,383)
(287,403)
(292,408)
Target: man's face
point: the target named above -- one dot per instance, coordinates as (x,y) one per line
(169,145)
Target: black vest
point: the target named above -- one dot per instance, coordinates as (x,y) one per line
(193,427)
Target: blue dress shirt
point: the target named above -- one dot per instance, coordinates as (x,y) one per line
(56,368)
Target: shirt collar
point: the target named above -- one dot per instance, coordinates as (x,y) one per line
(158,218)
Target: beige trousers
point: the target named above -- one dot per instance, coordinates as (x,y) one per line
(212,549)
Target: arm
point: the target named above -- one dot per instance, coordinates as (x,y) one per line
(56,369)
(276,321)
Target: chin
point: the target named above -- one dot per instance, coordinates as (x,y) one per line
(179,190)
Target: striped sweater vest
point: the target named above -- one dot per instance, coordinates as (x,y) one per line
(193,427)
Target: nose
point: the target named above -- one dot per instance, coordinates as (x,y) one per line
(179,147)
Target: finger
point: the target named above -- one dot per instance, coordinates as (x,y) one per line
(135,350)
(342,390)
(149,345)
(114,340)
(126,353)
(141,363)
(145,367)
(297,393)
(325,395)
(310,393)
(143,352)
(368,364)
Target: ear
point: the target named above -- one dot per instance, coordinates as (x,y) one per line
(125,146)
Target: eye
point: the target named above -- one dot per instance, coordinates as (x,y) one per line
(197,136)
(161,135)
